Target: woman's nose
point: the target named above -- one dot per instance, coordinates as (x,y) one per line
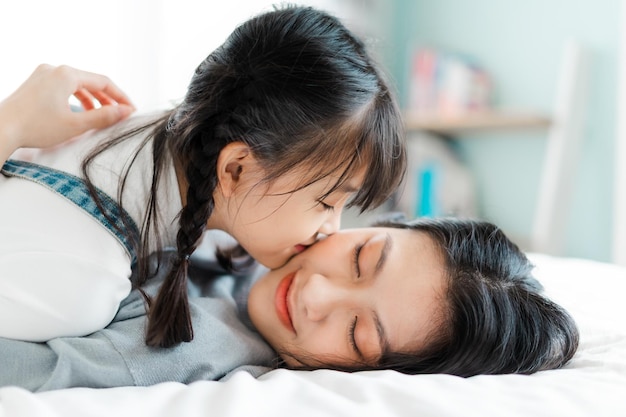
(320,297)
(332,223)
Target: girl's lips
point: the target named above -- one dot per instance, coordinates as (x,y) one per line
(280,301)
(300,248)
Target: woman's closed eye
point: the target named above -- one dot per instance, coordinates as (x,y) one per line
(351,337)
(355,259)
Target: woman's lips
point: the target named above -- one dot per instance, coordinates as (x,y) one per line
(282,307)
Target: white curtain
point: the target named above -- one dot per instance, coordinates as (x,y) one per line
(148,47)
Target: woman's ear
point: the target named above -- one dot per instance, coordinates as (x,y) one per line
(234,160)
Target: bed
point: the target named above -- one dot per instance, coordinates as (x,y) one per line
(592,384)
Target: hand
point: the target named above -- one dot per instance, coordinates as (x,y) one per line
(38,114)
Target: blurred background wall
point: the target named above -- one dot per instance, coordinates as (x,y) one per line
(521,44)
(151,47)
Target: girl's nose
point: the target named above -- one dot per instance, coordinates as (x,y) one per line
(320,297)
(332,223)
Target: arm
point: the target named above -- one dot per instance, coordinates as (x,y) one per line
(37,114)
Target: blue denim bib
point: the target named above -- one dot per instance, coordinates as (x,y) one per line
(108,213)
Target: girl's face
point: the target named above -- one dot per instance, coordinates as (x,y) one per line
(352,296)
(274,223)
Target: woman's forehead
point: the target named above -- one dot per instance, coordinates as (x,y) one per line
(415,275)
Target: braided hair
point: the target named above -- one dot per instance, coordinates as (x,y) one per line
(295,86)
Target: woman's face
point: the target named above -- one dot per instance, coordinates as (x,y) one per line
(352,296)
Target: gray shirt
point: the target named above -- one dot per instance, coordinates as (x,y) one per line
(224,341)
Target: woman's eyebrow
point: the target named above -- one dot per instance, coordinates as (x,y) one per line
(384,253)
(382,334)
(380,330)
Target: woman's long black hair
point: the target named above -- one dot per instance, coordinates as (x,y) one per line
(499,320)
(301,91)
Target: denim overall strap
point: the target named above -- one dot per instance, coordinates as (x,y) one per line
(112,216)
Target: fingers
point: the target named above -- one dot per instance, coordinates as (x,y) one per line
(93,89)
(88,98)
(101,87)
(37,114)
(104,99)
(85,98)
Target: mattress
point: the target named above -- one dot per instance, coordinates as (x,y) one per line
(592,384)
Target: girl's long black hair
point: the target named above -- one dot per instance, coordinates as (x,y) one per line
(301,91)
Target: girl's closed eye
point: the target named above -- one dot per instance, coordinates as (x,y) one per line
(325,206)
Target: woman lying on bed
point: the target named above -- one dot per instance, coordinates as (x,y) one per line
(428,296)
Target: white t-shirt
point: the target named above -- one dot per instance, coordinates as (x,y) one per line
(61,272)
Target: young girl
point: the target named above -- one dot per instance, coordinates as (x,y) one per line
(282,126)
(428,296)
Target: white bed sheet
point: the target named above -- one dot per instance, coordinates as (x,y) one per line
(593,384)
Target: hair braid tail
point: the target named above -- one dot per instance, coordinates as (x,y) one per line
(169,318)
